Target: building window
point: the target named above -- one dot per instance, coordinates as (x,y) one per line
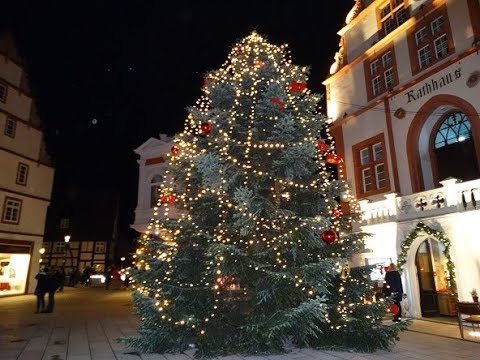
(421,36)
(155,190)
(455,128)
(376,86)
(381,73)
(11,210)
(22,174)
(430,40)
(371,171)
(100,247)
(3,92)
(10,127)
(392,14)
(59,247)
(441,46)
(64,223)
(424,56)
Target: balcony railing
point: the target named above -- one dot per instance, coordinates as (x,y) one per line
(453,196)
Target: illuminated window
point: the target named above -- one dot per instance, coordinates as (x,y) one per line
(22,174)
(371,171)
(11,210)
(455,128)
(10,127)
(430,40)
(381,73)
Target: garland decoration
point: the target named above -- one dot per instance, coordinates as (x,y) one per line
(421,227)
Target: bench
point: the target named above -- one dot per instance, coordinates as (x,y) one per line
(472,311)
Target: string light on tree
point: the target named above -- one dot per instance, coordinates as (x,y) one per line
(253,245)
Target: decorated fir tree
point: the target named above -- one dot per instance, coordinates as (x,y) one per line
(248,248)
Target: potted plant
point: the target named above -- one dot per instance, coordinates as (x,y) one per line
(474,295)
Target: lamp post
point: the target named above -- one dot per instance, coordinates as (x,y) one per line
(67,240)
(122,259)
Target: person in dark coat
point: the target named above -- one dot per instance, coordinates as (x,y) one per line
(393,287)
(41,289)
(51,287)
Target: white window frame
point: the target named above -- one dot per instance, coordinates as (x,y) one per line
(376,86)
(387,59)
(389,78)
(364,179)
(421,35)
(364,159)
(374,67)
(424,56)
(22,174)
(10,127)
(441,46)
(437,25)
(377,176)
(11,210)
(59,247)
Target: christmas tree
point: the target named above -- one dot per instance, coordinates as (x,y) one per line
(249,249)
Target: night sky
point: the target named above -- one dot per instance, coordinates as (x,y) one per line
(108,75)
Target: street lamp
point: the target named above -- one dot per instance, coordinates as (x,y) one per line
(41,251)
(122,259)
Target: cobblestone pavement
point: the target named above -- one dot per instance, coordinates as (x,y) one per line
(87,322)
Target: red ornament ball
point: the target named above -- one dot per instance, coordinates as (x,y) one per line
(329,236)
(394,309)
(321,145)
(334,159)
(297,86)
(206,127)
(175,150)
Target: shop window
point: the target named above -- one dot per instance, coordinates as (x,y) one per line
(3,92)
(392,14)
(381,73)
(100,247)
(371,170)
(155,190)
(10,127)
(11,210)
(22,174)
(430,40)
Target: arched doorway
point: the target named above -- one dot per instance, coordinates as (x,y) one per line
(454,149)
(432,276)
(434,291)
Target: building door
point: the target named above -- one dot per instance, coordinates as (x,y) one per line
(432,275)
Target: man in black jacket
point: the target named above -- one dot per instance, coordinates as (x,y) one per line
(393,287)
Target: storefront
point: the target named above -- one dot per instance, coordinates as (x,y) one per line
(14,265)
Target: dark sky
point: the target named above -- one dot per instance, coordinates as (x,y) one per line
(107,75)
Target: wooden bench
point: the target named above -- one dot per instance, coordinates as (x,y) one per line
(472,311)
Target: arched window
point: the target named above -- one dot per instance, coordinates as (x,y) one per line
(154,190)
(455,128)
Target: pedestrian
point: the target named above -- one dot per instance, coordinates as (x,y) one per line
(51,287)
(393,288)
(60,276)
(108,277)
(41,289)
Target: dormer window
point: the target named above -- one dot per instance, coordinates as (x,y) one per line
(393,14)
